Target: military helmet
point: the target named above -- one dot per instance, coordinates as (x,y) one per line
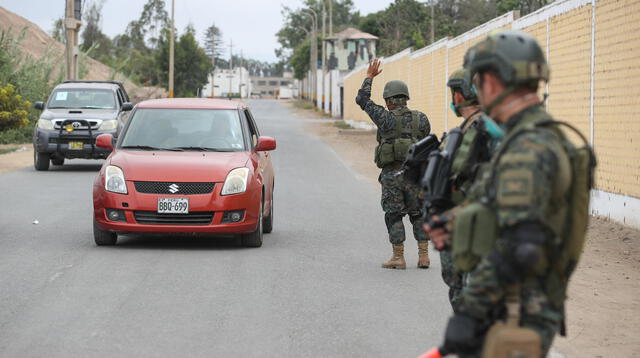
(395,88)
(460,81)
(515,55)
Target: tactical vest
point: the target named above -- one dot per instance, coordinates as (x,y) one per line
(476,226)
(393,146)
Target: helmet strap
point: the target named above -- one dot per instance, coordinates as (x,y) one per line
(488,108)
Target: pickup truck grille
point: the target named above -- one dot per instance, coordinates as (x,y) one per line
(193,218)
(173,188)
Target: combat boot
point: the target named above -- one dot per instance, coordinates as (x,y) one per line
(397,260)
(423,255)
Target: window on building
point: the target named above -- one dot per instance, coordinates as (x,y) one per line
(262,83)
(273,83)
(284,83)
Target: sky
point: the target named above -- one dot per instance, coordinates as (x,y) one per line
(251,24)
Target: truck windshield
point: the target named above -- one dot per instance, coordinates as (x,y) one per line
(82,98)
(184,129)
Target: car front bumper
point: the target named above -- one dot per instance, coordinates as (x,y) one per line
(134,203)
(55,143)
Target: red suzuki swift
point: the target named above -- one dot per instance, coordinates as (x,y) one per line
(186,166)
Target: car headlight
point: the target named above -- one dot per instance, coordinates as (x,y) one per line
(114,180)
(236,182)
(109,125)
(45,124)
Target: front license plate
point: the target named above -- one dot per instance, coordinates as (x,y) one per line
(76,145)
(173,206)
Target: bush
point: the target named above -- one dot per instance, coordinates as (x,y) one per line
(16,135)
(13,109)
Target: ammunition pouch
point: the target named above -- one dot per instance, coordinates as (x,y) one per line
(474,233)
(509,339)
(384,154)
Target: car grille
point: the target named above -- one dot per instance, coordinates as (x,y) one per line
(193,218)
(156,187)
(95,124)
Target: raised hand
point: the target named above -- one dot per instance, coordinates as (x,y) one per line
(374,68)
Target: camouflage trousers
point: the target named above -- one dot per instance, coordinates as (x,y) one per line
(483,298)
(451,278)
(400,198)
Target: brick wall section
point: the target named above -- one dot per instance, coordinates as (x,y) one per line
(570,61)
(617,96)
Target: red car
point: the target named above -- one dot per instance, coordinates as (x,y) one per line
(186,166)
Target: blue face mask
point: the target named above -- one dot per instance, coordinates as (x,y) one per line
(453,107)
(492,128)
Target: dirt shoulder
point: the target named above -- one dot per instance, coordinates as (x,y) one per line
(19,158)
(604,295)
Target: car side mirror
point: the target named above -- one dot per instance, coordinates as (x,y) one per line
(126,106)
(105,141)
(39,105)
(265,144)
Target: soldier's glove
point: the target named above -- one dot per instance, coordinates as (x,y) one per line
(461,335)
(524,249)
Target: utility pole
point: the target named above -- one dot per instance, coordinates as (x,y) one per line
(230,67)
(171,47)
(330,17)
(72,26)
(213,61)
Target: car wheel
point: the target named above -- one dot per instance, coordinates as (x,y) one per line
(41,160)
(267,224)
(254,239)
(103,237)
(57,161)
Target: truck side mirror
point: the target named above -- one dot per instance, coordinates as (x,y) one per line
(127,106)
(39,105)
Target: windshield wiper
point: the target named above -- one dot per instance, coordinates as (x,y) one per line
(95,107)
(204,149)
(148,147)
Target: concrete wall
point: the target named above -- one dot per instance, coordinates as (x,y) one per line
(592,47)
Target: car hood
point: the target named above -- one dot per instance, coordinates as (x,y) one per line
(84,114)
(140,165)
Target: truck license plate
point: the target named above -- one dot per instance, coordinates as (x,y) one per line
(173,206)
(76,145)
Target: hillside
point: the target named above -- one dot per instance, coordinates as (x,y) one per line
(37,42)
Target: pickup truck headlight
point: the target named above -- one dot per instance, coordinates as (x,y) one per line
(236,182)
(114,180)
(109,125)
(45,124)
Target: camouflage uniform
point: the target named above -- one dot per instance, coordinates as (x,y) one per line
(530,184)
(399,197)
(452,278)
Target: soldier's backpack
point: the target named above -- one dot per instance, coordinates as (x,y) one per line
(393,147)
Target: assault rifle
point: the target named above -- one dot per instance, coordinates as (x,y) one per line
(417,156)
(436,181)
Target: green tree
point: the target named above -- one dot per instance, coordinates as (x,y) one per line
(93,39)
(13,109)
(57,32)
(192,65)
(300,59)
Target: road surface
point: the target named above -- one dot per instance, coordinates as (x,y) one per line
(315,288)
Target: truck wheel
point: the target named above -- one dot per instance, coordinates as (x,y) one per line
(254,239)
(103,237)
(57,161)
(41,160)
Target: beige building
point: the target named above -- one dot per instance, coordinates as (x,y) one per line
(269,86)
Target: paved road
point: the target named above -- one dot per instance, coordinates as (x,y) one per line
(315,288)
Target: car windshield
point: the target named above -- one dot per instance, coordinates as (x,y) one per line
(184,129)
(88,98)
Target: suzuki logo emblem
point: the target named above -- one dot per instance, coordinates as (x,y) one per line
(173,188)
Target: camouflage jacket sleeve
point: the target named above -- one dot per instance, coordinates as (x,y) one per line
(378,114)
(425,126)
(531,175)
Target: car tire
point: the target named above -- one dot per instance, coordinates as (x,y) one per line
(41,160)
(267,222)
(103,237)
(254,239)
(57,161)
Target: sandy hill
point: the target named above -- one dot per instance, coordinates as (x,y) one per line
(37,42)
